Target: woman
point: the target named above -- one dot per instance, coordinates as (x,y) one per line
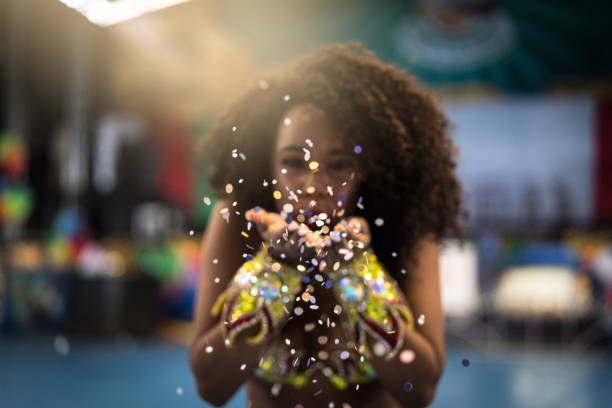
(320,284)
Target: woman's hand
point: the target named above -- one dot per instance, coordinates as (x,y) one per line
(350,237)
(291,242)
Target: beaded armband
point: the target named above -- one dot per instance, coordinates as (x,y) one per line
(262,290)
(373,304)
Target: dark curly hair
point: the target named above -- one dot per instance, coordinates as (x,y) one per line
(407,156)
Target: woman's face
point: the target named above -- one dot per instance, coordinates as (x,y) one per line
(314,169)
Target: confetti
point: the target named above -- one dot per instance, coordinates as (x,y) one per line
(275,390)
(191,232)
(298,311)
(330,405)
(309,143)
(308,327)
(207,200)
(242,367)
(322,354)
(179,390)
(234,128)
(61,345)
(407,387)
(465,362)
(209,349)
(263,84)
(344,355)
(288,342)
(407,356)
(217,280)
(277,194)
(244,234)
(345,405)
(421,320)
(337,309)
(357,149)
(215,261)
(313,165)
(379,222)
(305,296)
(287,121)
(288,208)
(286,98)
(380,349)
(322,340)
(284,171)
(229,188)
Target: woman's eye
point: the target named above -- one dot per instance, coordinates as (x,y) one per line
(294,162)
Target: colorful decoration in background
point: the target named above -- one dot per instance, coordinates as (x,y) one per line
(15,196)
(68,236)
(13,156)
(177,265)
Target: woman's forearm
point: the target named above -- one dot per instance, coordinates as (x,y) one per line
(422,374)
(220,371)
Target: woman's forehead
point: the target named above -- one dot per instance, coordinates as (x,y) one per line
(309,127)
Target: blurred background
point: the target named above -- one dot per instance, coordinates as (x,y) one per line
(104,196)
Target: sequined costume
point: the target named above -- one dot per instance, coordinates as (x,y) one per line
(373,304)
(264,290)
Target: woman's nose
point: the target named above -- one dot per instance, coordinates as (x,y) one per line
(315,182)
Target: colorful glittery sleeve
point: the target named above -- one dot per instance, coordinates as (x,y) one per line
(373,304)
(262,290)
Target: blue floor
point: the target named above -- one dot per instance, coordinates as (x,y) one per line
(130,373)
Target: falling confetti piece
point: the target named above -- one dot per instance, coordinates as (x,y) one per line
(465,362)
(298,311)
(234,128)
(407,356)
(322,340)
(207,200)
(215,261)
(357,149)
(379,222)
(61,345)
(179,390)
(209,349)
(407,387)
(244,234)
(275,390)
(421,320)
(287,121)
(277,194)
(242,367)
(217,280)
(337,309)
(313,165)
(380,349)
(229,188)
(288,208)
(344,355)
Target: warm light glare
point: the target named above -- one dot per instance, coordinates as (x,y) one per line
(106,12)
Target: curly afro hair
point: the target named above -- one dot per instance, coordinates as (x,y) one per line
(407,156)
